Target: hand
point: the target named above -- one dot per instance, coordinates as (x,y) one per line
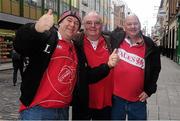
(143,96)
(45,22)
(113,59)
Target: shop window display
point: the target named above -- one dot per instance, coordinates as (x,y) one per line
(5,49)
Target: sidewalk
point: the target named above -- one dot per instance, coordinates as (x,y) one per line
(165,103)
(5,66)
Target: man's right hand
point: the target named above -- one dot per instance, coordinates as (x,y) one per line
(113,59)
(45,22)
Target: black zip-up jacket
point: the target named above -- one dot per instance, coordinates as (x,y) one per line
(39,47)
(152,60)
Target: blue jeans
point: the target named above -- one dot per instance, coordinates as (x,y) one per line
(133,110)
(40,113)
(101,114)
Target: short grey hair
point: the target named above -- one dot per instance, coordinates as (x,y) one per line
(92,13)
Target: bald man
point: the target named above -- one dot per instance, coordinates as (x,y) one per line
(136,73)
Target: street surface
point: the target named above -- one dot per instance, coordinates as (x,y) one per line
(164,105)
(9,96)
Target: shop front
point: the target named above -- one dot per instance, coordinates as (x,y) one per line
(6,40)
(178,40)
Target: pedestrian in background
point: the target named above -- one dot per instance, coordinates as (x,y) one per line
(92,100)
(18,64)
(49,78)
(136,73)
(157,42)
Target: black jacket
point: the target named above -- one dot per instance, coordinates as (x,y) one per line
(39,47)
(32,44)
(152,60)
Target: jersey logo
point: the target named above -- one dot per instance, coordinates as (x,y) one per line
(46,50)
(131,58)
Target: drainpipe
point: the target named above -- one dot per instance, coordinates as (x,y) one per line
(70,3)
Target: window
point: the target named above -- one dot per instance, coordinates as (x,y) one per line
(98,5)
(51,4)
(85,2)
(31,2)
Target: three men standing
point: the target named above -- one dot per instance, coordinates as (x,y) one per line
(59,61)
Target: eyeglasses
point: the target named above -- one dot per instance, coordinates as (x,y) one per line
(95,23)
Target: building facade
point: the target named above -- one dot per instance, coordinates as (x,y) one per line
(100,6)
(119,16)
(168,28)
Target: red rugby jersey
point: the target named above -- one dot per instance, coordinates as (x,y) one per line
(100,93)
(57,84)
(129,72)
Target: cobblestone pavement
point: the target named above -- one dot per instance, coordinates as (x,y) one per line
(163,105)
(9,96)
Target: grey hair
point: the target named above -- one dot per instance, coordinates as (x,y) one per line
(92,13)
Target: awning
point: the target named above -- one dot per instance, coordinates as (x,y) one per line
(6,32)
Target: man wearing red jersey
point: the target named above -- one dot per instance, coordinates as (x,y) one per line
(136,73)
(94,102)
(49,79)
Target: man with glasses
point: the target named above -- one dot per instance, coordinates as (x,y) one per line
(92,101)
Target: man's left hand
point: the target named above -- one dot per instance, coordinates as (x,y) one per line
(143,96)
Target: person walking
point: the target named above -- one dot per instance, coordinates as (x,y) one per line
(136,74)
(18,64)
(92,100)
(49,78)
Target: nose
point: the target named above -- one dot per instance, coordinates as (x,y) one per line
(93,24)
(72,23)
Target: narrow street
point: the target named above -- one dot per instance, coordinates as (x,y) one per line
(164,105)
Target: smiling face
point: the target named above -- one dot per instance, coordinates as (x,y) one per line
(92,25)
(68,27)
(132,26)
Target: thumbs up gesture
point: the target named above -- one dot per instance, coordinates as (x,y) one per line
(113,59)
(45,22)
